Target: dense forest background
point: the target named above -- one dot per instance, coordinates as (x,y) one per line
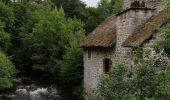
(40,38)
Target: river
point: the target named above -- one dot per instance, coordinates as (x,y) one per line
(26,89)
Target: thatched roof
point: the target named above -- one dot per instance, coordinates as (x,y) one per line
(145,31)
(103,36)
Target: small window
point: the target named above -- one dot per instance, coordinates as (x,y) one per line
(89,53)
(107,63)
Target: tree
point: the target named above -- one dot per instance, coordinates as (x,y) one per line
(47,40)
(72,8)
(4,38)
(92,19)
(6,22)
(72,63)
(108,7)
(6,1)
(27,15)
(6,16)
(7,71)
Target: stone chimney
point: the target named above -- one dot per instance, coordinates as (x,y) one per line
(130,19)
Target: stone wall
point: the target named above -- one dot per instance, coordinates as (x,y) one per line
(148,3)
(93,67)
(126,24)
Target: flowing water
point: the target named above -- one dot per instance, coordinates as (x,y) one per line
(25,89)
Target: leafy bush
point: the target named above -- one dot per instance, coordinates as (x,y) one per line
(163,44)
(7,71)
(149,81)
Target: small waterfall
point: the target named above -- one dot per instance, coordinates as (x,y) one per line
(39,93)
(34,92)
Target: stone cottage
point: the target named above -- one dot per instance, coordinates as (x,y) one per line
(114,39)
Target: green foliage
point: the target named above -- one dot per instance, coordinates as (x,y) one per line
(116,5)
(51,41)
(72,8)
(7,71)
(107,7)
(163,44)
(92,19)
(72,63)
(6,16)
(26,17)
(4,38)
(6,22)
(112,85)
(150,81)
(6,1)
(137,53)
(45,41)
(71,67)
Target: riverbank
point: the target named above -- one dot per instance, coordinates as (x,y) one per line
(26,88)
